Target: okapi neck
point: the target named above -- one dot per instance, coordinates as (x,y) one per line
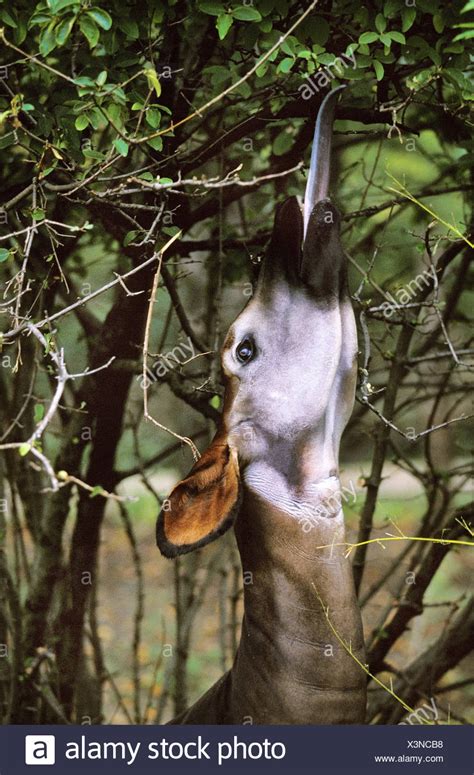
(291,666)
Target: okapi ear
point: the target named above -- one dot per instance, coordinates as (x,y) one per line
(283,257)
(324,264)
(204,504)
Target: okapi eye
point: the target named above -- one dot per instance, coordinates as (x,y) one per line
(245,350)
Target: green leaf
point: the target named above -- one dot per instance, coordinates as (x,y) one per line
(101,78)
(285,65)
(438,23)
(97,490)
(24,449)
(89,153)
(39,18)
(121,146)
(422,77)
(60,5)
(319,31)
(408,17)
(434,56)
(380,23)
(467,35)
(130,28)
(215,402)
(246,13)
(351,49)
(355,75)
(213,9)
(468,7)
(218,74)
(282,143)
(81,122)
(288,47)
(48,338)
(368,37)
(47,40)
(223,24)
(38,214)
(386,39)
(21,31)
(130,237)
(7,18)
(454,48)
(379,69)
(63,30)
(165,181)
(38,413)
(90,30)
(156,143)
(101,17)
(153,80)
(244,90)
(114,113)
(392,8)
(3,117)
(326,59)
(397,36)
(153,118)
(84,80)
(4,255)
(96,118)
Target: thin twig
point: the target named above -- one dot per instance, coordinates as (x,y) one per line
(146,341)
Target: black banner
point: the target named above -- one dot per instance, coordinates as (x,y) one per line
(205,749)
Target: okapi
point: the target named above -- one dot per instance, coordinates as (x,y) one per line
(289,361)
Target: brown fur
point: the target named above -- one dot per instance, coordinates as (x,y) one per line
(204,504)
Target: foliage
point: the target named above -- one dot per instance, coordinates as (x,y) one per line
(111,65)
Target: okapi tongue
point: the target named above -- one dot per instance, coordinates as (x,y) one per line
(320,165)
(307,247)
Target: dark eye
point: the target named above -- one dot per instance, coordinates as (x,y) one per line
(245,351)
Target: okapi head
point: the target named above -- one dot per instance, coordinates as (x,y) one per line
(289,366)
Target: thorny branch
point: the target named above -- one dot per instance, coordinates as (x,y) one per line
(62,377)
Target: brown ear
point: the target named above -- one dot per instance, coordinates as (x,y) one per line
(204,504)
(284,252)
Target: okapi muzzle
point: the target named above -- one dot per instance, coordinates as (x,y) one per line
(289,361)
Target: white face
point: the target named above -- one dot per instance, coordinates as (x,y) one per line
(290,362)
